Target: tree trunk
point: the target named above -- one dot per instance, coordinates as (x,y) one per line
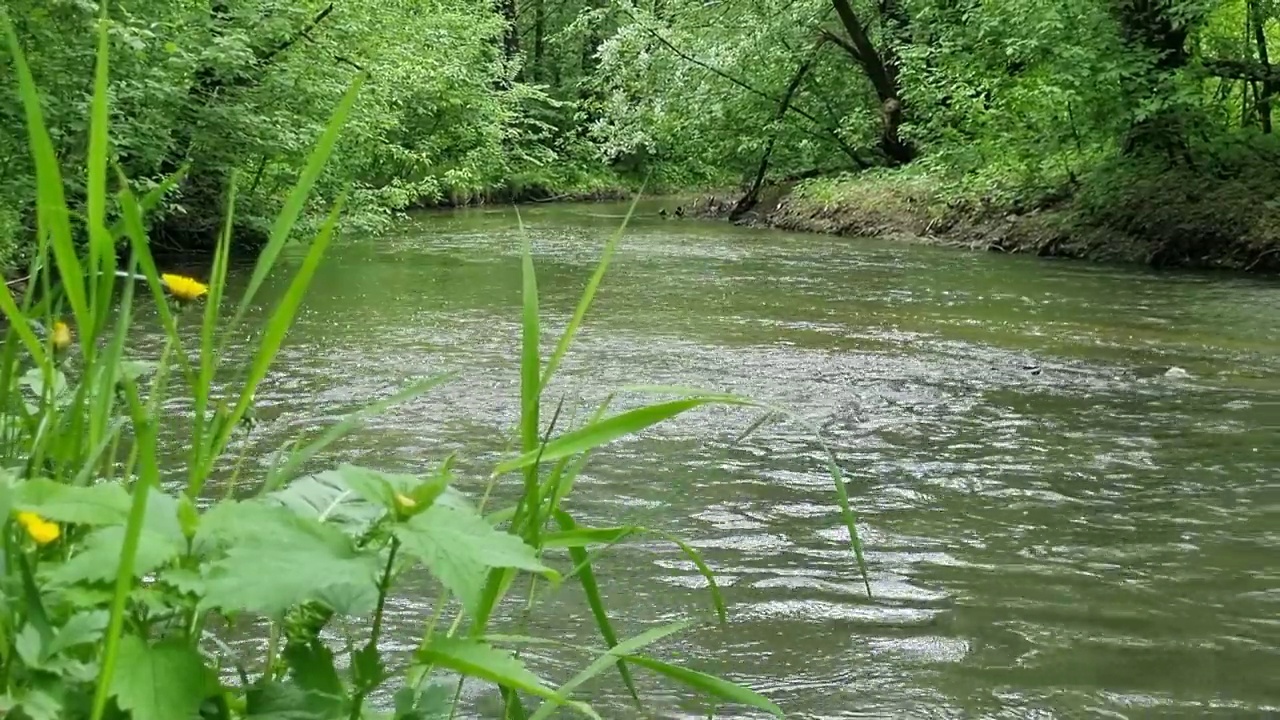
(511,39)
(1152,28)
(752,196)
(1269,86)
(539,38)
(881,69)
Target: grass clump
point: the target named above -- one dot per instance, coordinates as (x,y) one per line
(113,578)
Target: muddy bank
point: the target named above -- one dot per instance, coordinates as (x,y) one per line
(1235,232)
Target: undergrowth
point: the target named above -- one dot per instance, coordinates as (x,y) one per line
(117,574)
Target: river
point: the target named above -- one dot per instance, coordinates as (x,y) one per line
(1095,539)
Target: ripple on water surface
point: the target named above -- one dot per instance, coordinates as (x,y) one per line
(1089,539)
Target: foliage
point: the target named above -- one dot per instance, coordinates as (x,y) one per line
(471,100)
(115,582)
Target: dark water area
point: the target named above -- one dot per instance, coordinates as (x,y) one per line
(1093,539)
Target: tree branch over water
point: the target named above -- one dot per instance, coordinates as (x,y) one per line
(828,132)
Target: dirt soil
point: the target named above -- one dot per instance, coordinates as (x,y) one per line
(1188,236)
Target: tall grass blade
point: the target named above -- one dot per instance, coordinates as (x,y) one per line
(710,684)
(717,598)
(833,469)
(476,658)
(18,323)
(297,458)
(144,428)
(100,245)
(208,327)
(588,295)
(131,214)
(530,387)
(590,588)
(53,216)
(151,199)
(297,199)
(103,394)
(607,430)
(609,657)
(271,341)
(530,362)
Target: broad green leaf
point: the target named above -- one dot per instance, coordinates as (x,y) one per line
(311,669)
(604,431)
(459,548)
(709,684)
(34,704)
(184,580)
(475,658)
(327,497)
(287,701)
(370,485)
(82,628)
(283,559)
(433,703)
(102,504)
(166,681)
(33,380)
(29,646)
(98,559)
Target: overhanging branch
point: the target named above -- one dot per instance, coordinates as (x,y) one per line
(1242,70)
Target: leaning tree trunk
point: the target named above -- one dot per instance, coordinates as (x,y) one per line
(881,69)
(752,196)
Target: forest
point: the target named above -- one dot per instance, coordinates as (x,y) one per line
(1135,128)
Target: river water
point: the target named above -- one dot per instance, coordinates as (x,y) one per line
(1095,539)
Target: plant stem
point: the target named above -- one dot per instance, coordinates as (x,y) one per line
(384,586)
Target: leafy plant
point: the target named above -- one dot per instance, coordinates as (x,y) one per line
(117,574)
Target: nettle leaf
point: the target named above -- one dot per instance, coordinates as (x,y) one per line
(286,701)
(281,560)
(355,498)
(34,704)
(82,628)
(327,497)
(33,380)
(103,504)
(433,703)
(166,681)
(98,560)
(459,547)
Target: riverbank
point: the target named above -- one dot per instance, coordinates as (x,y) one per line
(1161,220)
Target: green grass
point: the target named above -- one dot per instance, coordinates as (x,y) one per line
(84,637)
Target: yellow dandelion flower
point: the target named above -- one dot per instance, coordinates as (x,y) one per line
(405,501)
(184,288)
(61,335)
(40,530)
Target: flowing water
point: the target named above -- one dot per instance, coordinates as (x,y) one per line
(1096,539)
